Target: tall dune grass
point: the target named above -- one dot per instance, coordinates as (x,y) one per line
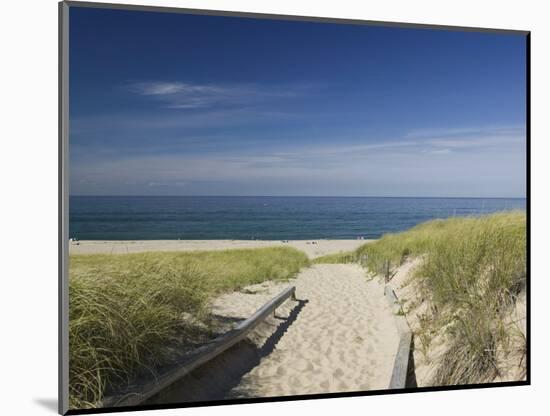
(472,271)
(127,310)
(337,258)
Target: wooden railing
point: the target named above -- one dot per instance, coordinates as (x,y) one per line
(400,373)
(206,352)
(402,358)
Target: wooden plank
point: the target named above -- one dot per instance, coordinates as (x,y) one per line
(401,364)
(387,271)
(390,295)
(402,358)
(206,352)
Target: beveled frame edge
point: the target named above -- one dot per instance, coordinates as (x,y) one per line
(319,19)
(63,207)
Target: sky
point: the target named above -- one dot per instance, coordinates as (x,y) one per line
(177,104)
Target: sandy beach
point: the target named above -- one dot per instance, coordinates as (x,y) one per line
(313,248)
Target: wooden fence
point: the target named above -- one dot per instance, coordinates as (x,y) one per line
(205,353)
(403,357)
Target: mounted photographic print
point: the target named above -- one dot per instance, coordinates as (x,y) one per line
(264,208)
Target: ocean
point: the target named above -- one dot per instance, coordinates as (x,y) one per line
(262,218)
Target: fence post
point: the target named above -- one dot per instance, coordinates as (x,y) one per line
(387,276)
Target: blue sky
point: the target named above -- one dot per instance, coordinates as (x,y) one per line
(174,104)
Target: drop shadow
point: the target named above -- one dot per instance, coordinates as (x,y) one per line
(217,378)
(48,404)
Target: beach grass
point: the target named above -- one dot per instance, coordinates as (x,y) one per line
(337,258)
(472,270)
(126,311)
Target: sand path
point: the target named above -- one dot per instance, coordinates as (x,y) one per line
(343,339)
(339,336)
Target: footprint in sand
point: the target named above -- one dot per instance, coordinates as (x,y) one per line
(338,373)
(295,381)
(300,365)
(342,386)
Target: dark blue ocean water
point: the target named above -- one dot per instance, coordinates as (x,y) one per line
(264,218)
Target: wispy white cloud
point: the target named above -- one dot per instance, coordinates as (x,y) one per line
(477,131)
(440,151)
(490,141)
(493,165)
(381,174)
(186,95)
(168,88)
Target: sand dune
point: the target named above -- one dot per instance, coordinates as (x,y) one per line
(340,336)
(313,248)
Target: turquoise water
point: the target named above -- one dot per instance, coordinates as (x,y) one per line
(264,218)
